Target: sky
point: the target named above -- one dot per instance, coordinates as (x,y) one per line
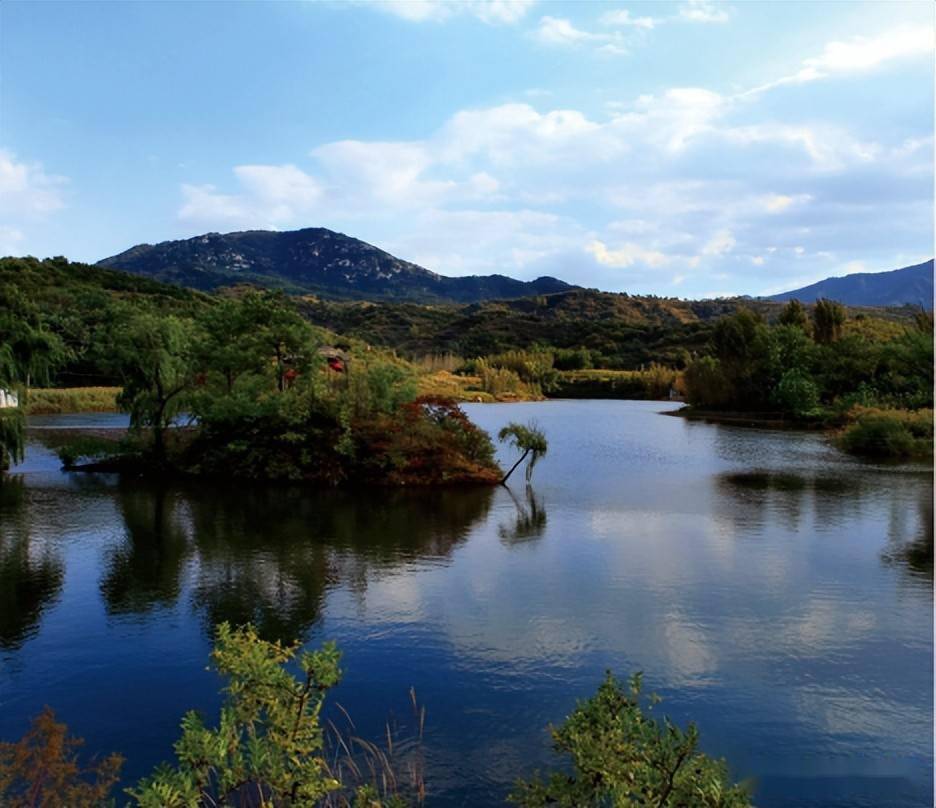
(687,149)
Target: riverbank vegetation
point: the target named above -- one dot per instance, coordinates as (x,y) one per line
(823,368)
(748,360)
(271,747)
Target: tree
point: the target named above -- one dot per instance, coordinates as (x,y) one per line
(259,334)
(623,757)
(740,345)
(28,352)
(267,747)
(153,355)
(706,383)
(828,319)
(794,313)
(12,442)
(31,351)
(41,770)
(529,440)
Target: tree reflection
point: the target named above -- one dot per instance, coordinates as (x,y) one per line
(915,553)
(31,574)
(267,555)
(760,496)
(530,521)
(144,572)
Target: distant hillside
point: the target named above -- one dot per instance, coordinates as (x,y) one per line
(312,261)
(908,286)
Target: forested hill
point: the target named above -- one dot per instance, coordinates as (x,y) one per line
(908,286)
(312,261)
(78,302)
(619,330)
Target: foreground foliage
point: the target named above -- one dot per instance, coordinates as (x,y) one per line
(267,747)
(42,770)
(622,757)
(269,750)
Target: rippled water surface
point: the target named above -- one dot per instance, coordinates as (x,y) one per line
(773,590)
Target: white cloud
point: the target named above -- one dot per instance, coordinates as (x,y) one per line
(272,196)
(779,203)
(719,244)
(26,189)
(622,16)
(685,178)
(560,32)
(703,11)
(626,255)
(492,12)
(859,55)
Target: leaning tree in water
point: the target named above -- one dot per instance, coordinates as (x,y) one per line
(529,440)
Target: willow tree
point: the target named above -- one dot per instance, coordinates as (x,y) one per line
(529,440)
(153,355)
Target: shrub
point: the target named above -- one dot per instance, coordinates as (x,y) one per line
(658,380)
(621,756)
(268,741)
(888,433)
(499,381)
(797,394)
(42,769)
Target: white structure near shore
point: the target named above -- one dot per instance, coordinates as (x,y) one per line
(8,399)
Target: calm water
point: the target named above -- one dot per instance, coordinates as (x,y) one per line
(773,590)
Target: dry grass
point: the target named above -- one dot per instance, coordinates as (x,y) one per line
(55,401)
(470,388)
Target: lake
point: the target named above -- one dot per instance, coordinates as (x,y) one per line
(772,589)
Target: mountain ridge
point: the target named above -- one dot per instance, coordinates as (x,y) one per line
(313,260)
(912,285)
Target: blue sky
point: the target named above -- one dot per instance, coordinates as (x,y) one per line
(686,149)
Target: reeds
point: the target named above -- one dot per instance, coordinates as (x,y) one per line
(393,770)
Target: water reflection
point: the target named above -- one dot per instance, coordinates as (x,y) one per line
(31,573)
(268,555)
(915,554)
(530,521)
(144,571)
(761,497)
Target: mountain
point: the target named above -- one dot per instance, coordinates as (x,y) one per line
(898,287)
(313,261)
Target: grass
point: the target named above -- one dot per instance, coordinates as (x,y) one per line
(55,401)
(469,388)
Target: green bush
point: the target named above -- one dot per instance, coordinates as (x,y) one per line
(888,433)
(797,394)
(621,757)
